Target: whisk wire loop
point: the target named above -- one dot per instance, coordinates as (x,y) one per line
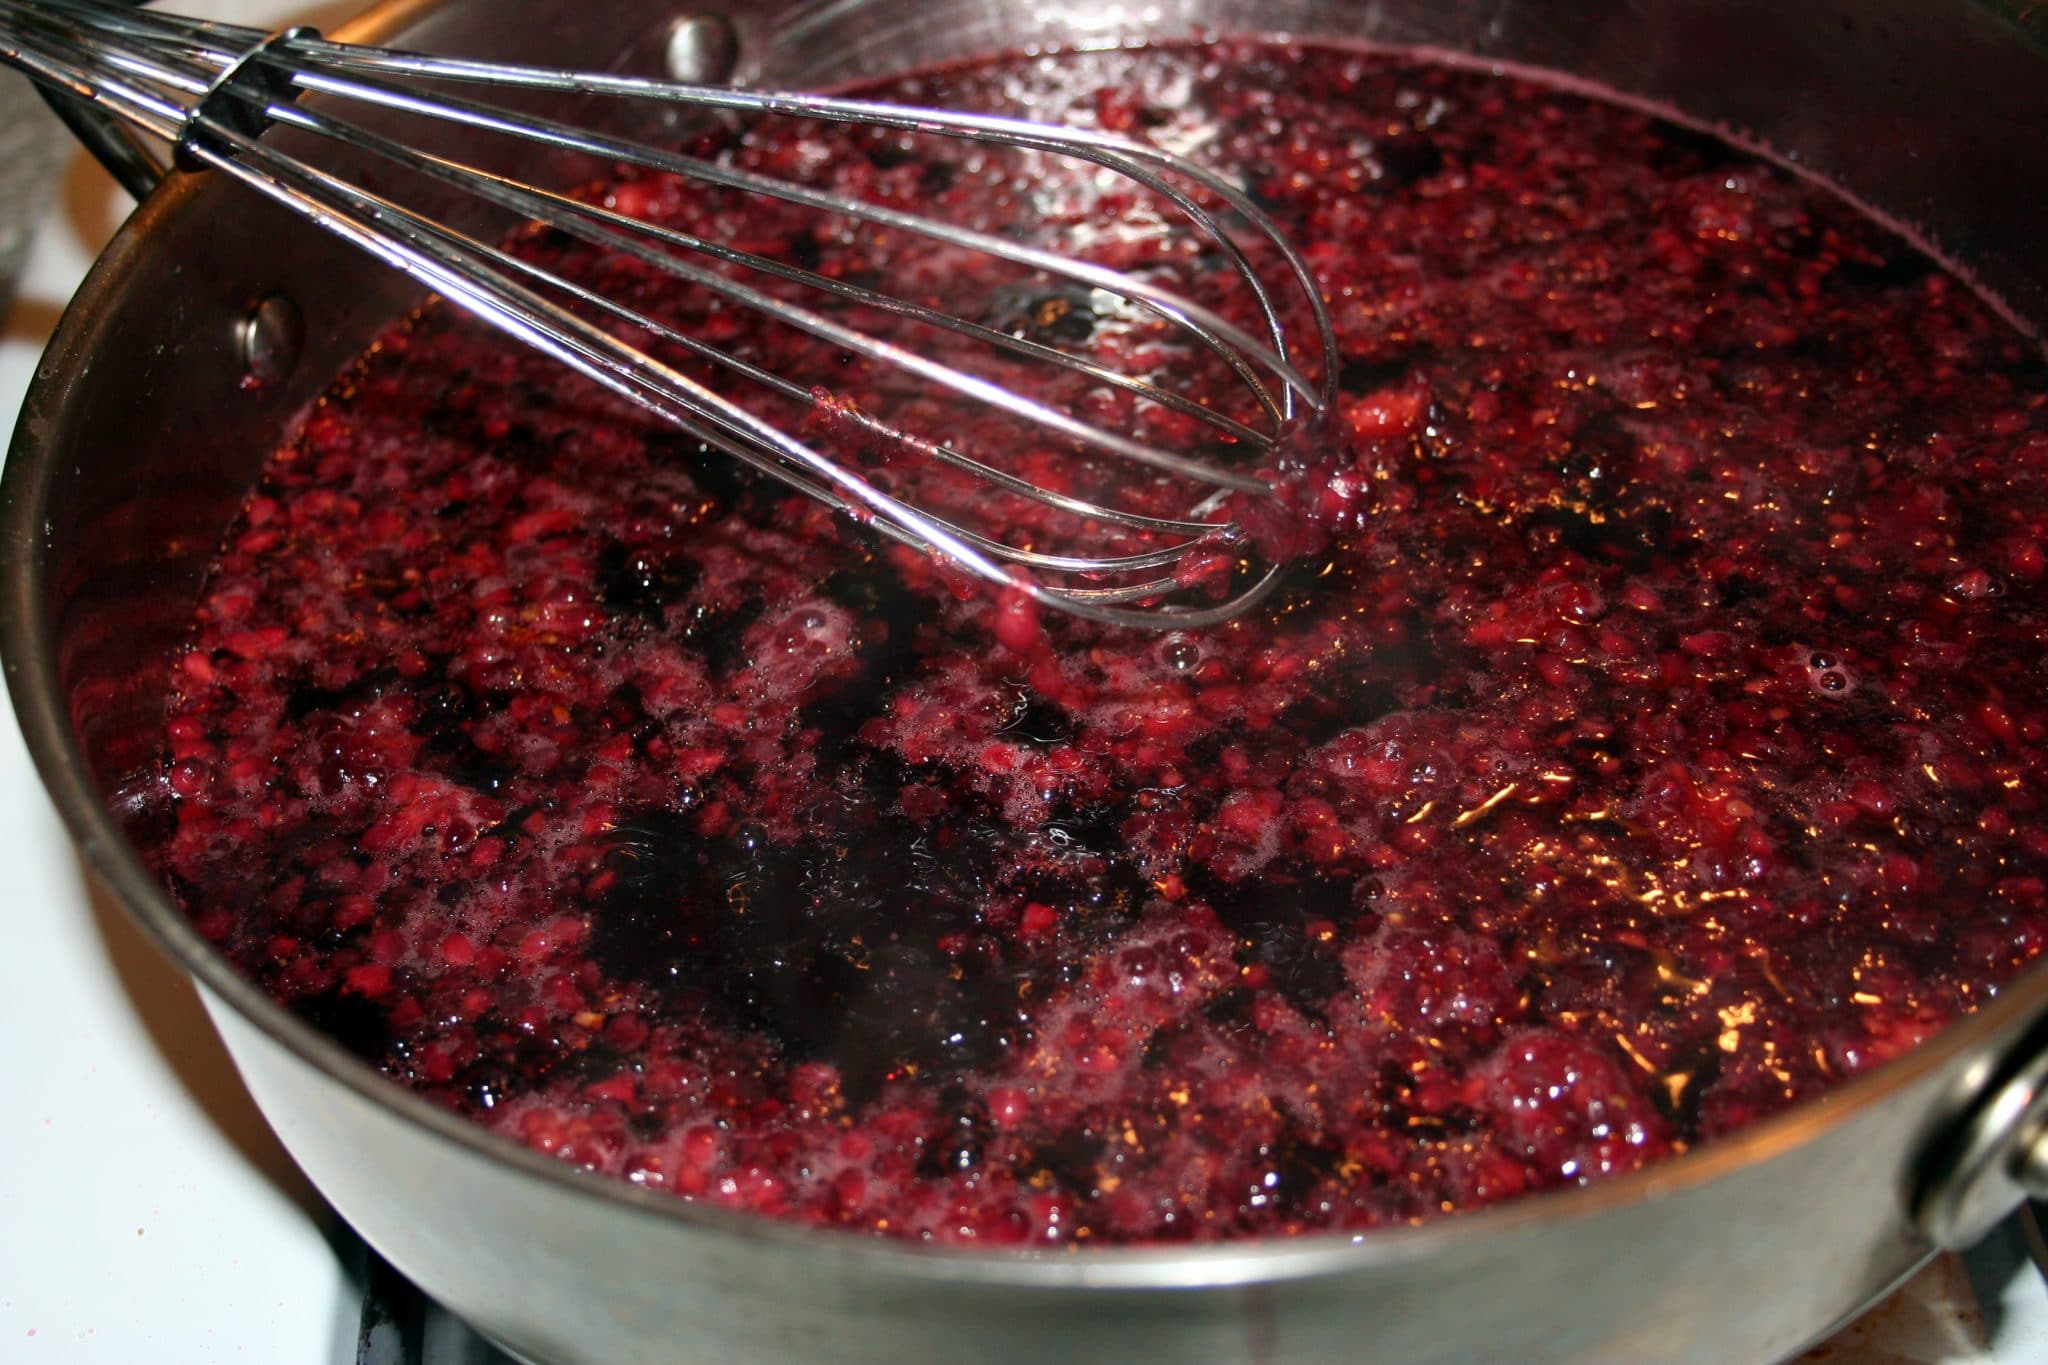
(212,91)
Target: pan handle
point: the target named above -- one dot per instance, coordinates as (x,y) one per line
(1985,1163)
(135,162)
(129,156)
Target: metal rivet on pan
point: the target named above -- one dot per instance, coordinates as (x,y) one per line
(702,48)
(270,336)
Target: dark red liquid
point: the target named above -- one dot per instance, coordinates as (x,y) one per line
(1659,742)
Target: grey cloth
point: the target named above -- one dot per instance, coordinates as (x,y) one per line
(33,151)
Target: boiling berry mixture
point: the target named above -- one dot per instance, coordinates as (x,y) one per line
(1656,742)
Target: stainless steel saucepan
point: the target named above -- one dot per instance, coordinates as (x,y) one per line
(140,435)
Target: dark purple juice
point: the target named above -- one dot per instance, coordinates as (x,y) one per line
(1657,741)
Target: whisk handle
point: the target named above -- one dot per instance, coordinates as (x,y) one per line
(202,124)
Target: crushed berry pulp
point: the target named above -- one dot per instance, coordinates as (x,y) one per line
(1657,741)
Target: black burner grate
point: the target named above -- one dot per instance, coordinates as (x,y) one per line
(402,1326)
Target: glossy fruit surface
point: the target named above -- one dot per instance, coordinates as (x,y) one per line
(1653,738)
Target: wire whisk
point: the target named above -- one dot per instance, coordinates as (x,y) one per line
(1103,545)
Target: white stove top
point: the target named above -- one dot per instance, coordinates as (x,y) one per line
(146,1212)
